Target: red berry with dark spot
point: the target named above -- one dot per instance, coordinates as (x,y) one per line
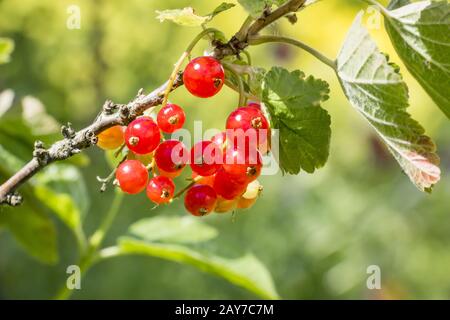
(171,156)
(142,135)
(160,189)
(171,118)
(204,76)
(206,158)
(132,176)
(243,164)
(200,200)
(247,125)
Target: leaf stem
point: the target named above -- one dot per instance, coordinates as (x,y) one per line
(255,40)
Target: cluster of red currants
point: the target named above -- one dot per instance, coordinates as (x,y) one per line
(224,169)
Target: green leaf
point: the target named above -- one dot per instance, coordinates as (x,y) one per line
(6,48)
(293,102)
(420,33)
(247,271)
(255,7)
(33,229)
(376,89)
(188,17)
(173,229)
(62,189)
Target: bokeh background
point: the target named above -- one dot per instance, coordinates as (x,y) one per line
(317,234)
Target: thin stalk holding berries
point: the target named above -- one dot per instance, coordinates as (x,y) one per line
(255,40)
(180,61)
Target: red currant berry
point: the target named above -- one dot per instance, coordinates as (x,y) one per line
(111,138)
(200,200)
(226,187)
(208,180)
(171,118)
(171,156)
(253,104)
(243,164)
(142,135)
(160,189)
(206,158)
(171,175)
(132,176)
(204,76)
(247,126)
(220,139)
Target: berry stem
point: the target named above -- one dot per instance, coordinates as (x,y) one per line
(186,188)
(241,90)
(255,40)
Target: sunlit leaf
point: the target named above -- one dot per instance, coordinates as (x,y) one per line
(376,89)
(6,48)
(420,33)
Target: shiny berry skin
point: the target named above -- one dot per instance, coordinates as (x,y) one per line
(160,189)
(132,176)
(200,200)
(170,118)
(220,139)
(243,165)
(206,158)
(171,156)
(142,135)
(204,76)
(226,187)
(253,104)
(247,124)
(111,138)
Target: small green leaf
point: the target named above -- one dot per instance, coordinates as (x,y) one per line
(6,48)
(304,127)
(376,89)
(420,33)
(173,229)
(183,17)
(247,271)
(62,189)
(188,17)
(255,7)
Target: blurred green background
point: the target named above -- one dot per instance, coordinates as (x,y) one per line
(317,234)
